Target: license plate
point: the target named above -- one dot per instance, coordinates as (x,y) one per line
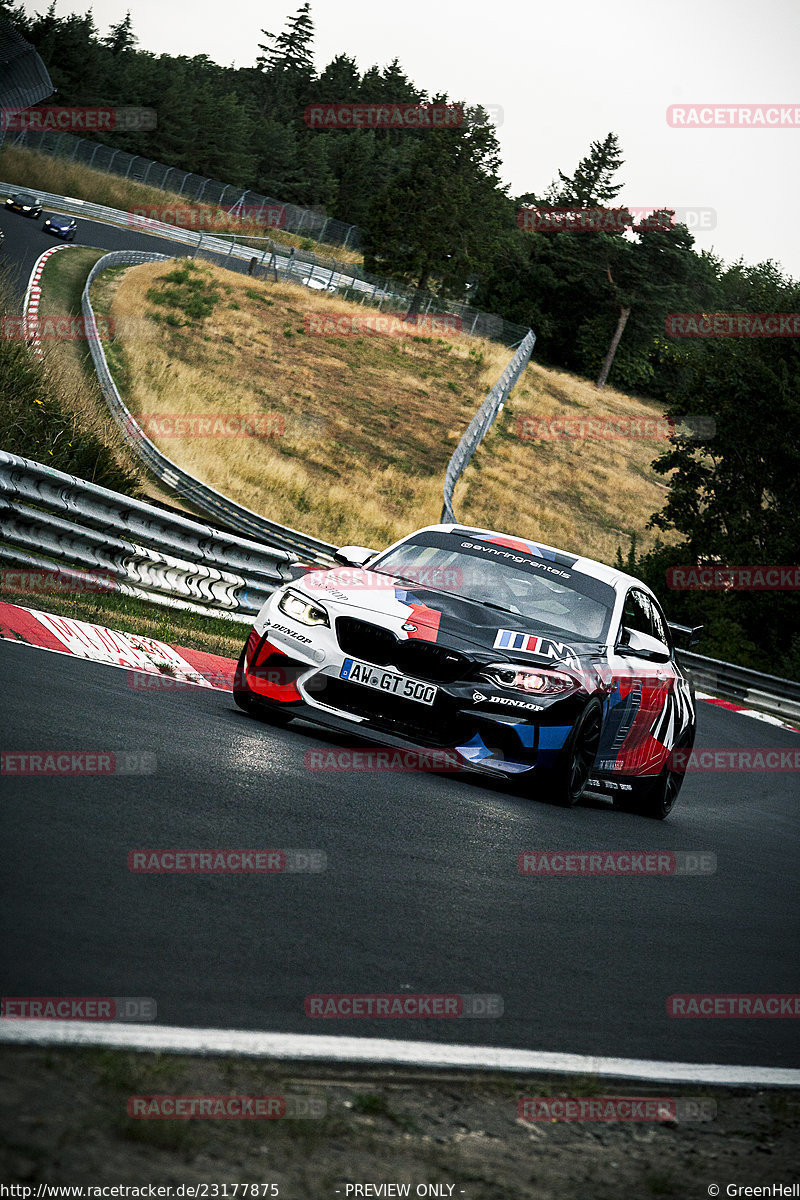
(387,681)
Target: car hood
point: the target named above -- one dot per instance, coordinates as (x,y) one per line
(444,617)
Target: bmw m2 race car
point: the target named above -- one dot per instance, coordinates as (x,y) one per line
(521,661)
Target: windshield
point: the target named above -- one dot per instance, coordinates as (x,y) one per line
(24,198)
(544,591)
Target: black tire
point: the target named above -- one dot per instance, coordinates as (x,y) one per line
(566,782)
(658,800)
(245,699)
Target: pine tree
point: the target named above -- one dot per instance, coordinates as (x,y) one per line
(591,184)
(121,37)
(290,50)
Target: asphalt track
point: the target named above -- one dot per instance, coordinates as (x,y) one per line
(25,240)
(421,895)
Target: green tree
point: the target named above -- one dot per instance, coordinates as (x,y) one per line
(121,37)
(438,221)
(592,183)
(290,50)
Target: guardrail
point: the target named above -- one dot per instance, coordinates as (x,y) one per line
(98,540)
(752,689)
(483,421)
(297,266)
(101,540)
(209,501)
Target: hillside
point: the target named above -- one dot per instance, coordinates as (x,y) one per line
(353,433)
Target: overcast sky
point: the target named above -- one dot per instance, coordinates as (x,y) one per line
(564,74)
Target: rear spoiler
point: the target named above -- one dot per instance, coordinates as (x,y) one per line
(688,635)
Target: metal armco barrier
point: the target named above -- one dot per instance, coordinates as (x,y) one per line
(483,420)
(205,498)
(54,522)
(751,689)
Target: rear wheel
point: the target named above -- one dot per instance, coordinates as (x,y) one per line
(658,800)
(567,781)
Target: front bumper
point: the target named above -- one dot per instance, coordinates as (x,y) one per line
(281,673)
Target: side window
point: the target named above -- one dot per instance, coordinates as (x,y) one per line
(660,625)
(637,613)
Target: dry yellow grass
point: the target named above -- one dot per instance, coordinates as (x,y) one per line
(371,422)
(587,494)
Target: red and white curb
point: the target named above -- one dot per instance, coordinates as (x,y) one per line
(70,636)
(299,1047)
(66,635)
(33,296)
(747,712)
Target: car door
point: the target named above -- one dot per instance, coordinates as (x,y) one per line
(648,705)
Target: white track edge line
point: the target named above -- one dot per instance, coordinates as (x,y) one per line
(383,1052)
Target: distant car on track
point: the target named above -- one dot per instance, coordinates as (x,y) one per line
(522,661)
(63,227)
(25,203)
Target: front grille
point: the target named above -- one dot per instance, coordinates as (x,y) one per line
(431,725)
(423,660)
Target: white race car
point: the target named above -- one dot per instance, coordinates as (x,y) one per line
(523,661)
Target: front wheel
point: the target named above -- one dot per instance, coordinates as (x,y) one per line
(568,779)
(245,699)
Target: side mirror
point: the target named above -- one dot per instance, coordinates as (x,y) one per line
(642,645)
(686,635)
(353,556)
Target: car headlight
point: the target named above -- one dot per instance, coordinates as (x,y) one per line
(302,610)
(533,680)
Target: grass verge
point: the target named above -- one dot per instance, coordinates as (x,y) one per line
(66,1121)
(129,615)
(47,409)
